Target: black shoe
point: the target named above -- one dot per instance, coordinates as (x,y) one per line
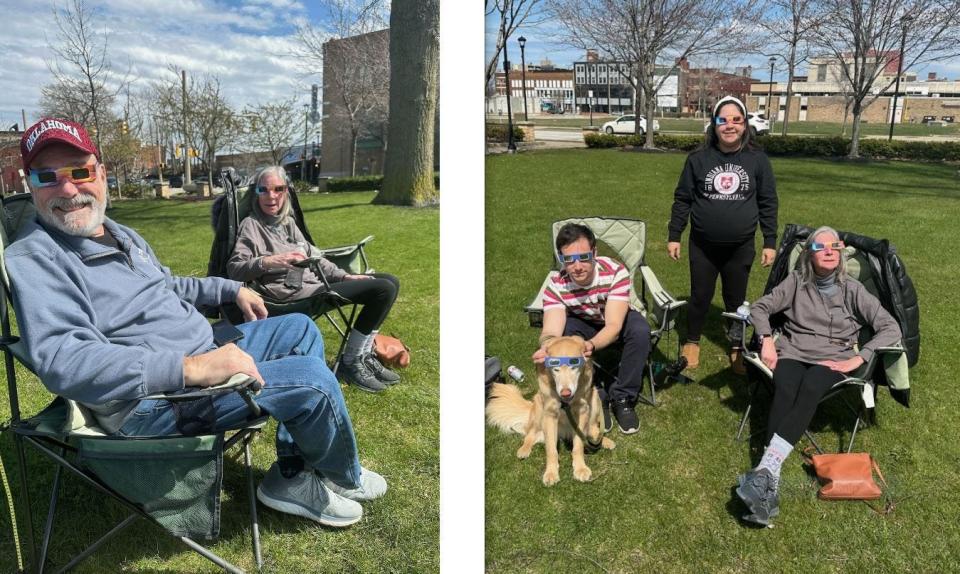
(607,417)
(626,417)
(757,489)
(357,374)
(383,374)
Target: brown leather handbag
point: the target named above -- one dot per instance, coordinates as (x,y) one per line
(847,476)
(391,351)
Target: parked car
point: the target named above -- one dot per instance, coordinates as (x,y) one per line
(112,183)
(625,125)
(759,124)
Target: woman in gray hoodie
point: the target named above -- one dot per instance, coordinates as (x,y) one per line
(269,243)
(824,310)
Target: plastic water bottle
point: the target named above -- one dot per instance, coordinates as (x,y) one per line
(743,311)
(515,373)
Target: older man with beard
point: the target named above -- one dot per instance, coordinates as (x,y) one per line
(105,324)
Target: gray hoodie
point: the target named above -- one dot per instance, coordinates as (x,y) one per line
(105,327)
(819,327)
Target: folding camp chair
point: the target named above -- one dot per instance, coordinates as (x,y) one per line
(626,238)
(887,366)
(173,482)
(234,207)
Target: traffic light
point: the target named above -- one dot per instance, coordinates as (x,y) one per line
(123,127)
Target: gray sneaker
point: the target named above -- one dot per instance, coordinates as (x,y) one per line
(372,485)
(305,495)
(383,374)
(757,489)
(357,373)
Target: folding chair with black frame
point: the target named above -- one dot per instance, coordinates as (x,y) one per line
(173,481)
(234,207)
(626,238)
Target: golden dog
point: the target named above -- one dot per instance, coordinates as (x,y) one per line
(540,420)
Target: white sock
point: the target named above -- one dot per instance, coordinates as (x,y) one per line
(368,344)
(353,350)
(774,455)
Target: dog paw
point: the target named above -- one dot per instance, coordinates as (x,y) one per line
(608,444)
(583,473)
(551,477)
(523,452)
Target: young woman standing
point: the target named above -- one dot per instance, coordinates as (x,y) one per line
(725,190)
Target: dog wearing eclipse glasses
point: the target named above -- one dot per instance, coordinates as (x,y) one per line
(565,381)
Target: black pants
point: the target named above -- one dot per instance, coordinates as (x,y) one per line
(376,295)
(797,389)
(634,339)
(732,263)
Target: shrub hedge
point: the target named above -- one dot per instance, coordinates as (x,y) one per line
(364,183)
(800,146)
(498,133)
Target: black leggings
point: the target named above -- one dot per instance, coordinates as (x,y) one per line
(797,389)
(732,263)
(634,343)
(376,295)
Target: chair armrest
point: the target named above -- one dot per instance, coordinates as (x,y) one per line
(240,383)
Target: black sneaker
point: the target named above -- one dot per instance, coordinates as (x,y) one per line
(757,489)
(607,417)
(383,374)
(626,417)
(357,374)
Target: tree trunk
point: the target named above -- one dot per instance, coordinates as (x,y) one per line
(786,108)
(353,152)
(651,111)
(414,75)
(855,132)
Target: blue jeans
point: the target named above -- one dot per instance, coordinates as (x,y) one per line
(300,392)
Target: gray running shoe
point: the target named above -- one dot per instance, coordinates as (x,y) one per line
(357,373)
(372,485)
(383,374)
(757,489)
(305,495)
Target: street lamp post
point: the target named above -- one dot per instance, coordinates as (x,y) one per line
(904,22)
(303,156)
(511,145)
(773,60)
(523,70)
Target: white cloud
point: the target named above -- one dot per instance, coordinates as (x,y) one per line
(246,43)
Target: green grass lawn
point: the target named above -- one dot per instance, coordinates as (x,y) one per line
(397,431)
(662,501)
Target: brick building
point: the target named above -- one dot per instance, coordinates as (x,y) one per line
(552,87)
(704,87)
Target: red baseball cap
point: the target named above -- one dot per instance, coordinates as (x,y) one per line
(49,131)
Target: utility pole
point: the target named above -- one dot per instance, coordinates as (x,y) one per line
(904,22)
(186,135)
(303,156)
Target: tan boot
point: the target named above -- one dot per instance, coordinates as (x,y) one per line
(736,362)
(691,351)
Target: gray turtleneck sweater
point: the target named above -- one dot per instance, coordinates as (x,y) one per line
(823,319)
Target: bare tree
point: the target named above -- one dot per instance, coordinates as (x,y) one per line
(863,36)
(414,80)
(511,14)
(352,49)
(81,67)
(271,127)
(788,25)
(639,33)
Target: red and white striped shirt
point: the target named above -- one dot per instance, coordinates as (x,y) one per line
(611,282)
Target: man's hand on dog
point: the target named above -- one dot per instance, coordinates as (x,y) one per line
(540,354)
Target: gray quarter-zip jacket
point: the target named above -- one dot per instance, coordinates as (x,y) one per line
(822,328)
(105,327)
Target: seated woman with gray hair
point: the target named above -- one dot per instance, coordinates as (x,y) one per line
(824,310)
(269,243)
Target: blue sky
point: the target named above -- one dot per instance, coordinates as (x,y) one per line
(244,42)
(543,42)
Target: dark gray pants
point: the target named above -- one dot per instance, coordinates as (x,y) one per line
(634,346)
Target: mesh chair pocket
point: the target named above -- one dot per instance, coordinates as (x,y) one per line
(174,480)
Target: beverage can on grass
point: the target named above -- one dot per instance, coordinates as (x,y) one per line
(515,373)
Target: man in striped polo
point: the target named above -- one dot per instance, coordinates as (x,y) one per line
(590,297)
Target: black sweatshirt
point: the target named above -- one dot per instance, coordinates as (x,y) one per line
(725,195)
